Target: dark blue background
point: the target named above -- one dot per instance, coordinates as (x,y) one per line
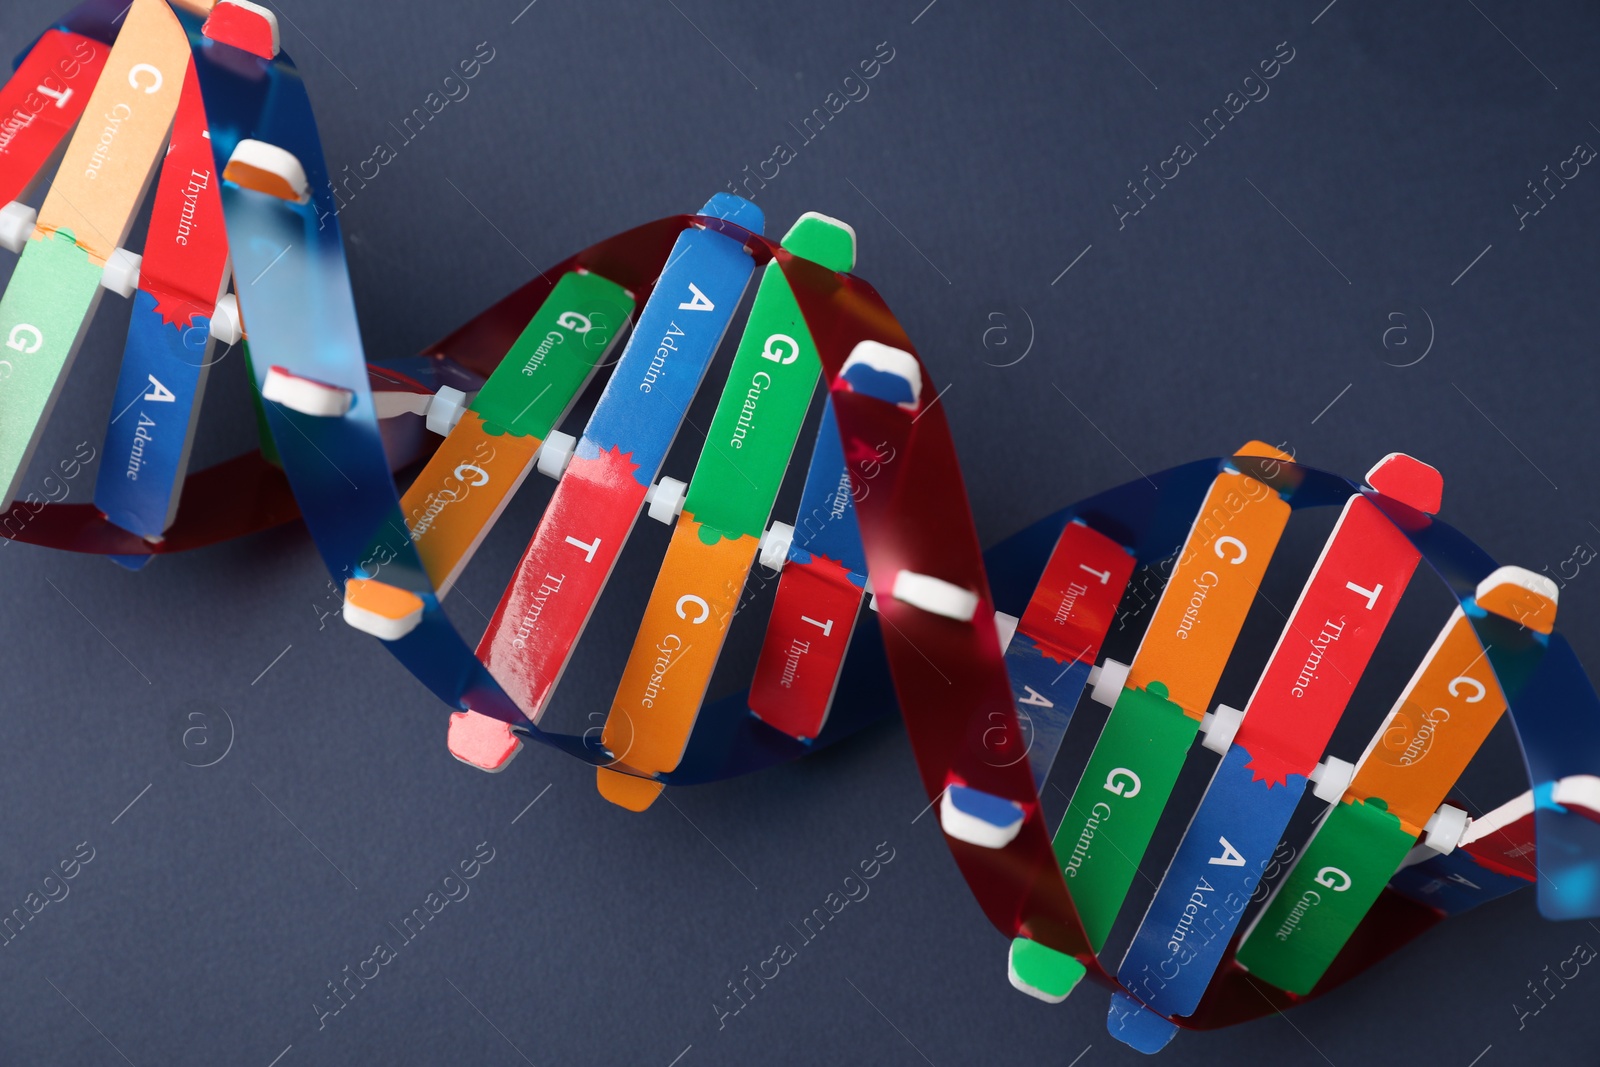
(1251,293)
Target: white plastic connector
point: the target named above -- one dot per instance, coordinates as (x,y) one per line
(1006,626)
(17,221)
(481,742)
(266,24)
(226,325)
(1578,791)
(121,275)
(380,609)
(935,595)
(266,168)
(446,409)
(882,358)
(1331,778)
(664,500)
(1106,681)
(1445,829)
(979,818)
(774,551)
(305,395)
(1220,726)
(556,453)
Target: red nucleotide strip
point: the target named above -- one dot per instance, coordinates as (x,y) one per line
(42,102)
(593,509)
(186,251)
(1324,649)
(1075,602)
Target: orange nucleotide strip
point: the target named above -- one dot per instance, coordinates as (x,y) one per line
(1211,589)
(1447,710)
(680,638)
(472,475)
(110,160)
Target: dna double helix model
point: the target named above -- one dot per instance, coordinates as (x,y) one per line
(882,597)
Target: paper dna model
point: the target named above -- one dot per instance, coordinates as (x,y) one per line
(986,655)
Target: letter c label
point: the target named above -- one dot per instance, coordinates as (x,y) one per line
(1124,783)
(1234,542)
(1457,684)
(1334,879)
(145,68)
(690,598)
(481,475)
(25,339)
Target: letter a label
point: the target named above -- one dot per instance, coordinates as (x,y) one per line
(699,303)
(1230,856)
(1036,699)
(158,391)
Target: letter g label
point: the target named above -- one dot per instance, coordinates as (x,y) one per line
(691,599)
(1334,879)
(575,322)
(25,339)
(481,476)
(1124,783)
(781,348)
(1232,542)
(149,72)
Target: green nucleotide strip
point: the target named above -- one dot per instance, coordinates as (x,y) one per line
(1336,882)
(43,316)
(535,384)
(1041,971)
(758,416)
(1119,800)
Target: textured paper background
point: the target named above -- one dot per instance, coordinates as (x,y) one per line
(1252,292)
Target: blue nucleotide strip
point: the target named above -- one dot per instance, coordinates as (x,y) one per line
(679,330)
(1046,693)
(826,524)
(1454,883)
(1142,1031)
(164,369)
(1206,889)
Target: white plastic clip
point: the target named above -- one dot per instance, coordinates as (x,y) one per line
(1220,726)
(121,275)
(17,221)
(1445,829)
(1106,681)
(1006,627)
(305,395)
(556,453)
(1331,778)
(979,818)
(445,410)
(226,325)
(664,500)
(885,360)
(774,550)
(935,595)
(266,168)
